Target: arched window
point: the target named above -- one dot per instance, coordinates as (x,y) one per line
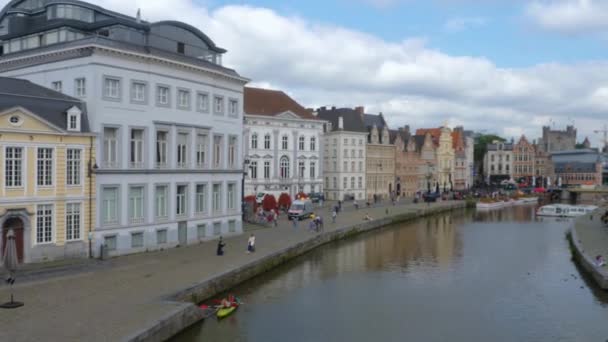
(301,143)
(285,142)
(284,167)
(267,142)
(313,144)
(254,140)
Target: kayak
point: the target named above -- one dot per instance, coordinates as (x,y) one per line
(224,312)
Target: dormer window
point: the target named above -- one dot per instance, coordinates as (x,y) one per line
(73,123)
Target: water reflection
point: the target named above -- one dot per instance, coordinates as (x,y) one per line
(471,276)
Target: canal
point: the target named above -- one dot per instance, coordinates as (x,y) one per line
(464,276)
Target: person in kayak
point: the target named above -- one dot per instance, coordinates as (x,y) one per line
(220,246)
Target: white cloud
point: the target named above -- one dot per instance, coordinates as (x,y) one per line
(570,16)
(411,83)
(464,23)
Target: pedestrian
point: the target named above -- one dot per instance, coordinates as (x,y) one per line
(260,215)
(294,221)
(339,205)
(251,244)
(334,214)
(356,205)
(319,223)
(220,246)
(312,225)
(270,217)
(275,217)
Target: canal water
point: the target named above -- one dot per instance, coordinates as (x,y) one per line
(466,276)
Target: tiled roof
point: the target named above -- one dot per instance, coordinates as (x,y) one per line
(48,104)
(273,102)
(351,119)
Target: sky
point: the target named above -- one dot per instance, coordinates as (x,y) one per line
(495,66)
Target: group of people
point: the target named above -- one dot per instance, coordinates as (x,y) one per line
(250,245)
(271,216)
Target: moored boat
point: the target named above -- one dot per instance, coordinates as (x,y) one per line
(565,210)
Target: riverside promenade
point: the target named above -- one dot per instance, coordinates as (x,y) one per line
(136,297)
(589,239)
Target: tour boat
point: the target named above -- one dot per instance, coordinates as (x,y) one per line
(490,205)
(529,199)
(565,210)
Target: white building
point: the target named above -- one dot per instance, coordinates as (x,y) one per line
(498,162)
(167,114)
(282,144)
(344,153)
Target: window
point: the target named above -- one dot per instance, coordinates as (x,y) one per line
(285,142)
(217,228)
(57,86)
(72,221)
(253,170)
(44,223)
(254,141)
(345,141)
(312,170)
(163,97)
(232,152)
(137,240)
(80,87)
(110,242)
(202,102)
(45,167)
(301,142)
(233,108)
(183,99)
(160,201)
(266,170)
(313,144)
(231,205)
(73,121)
(136,204)
(137,148)
(345,168)
(138,92)
(13,165)
(360,153)
(267,142)
(217,151)
(301,169)
(360,183)
(217,197)
(335,183)
(232,226)
(201,231)
(181,202)
(182,150)
(161,148)
(73,166)
(352,182)
(70,12)
(161,236)
(201,150)
(284,167)
(360,166)
(111,88)
(345,153)
(110,143)
(109,205)
(335,163)
(218,105)
(352,166)
(352,153)
(345,183)
(181,48)
(201,198)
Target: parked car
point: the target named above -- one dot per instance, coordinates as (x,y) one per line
(431,197)
(315,197)
(300,209)
(457,196)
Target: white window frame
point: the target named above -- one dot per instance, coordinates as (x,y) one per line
(284,166)
(218,105)
(73,169)
(45,167)
(267,141)
(112,88)
(253,169)
(45,222)
(231,196)
(80,87)
(301,143)
(57,86)
(161,203)
(313,144)
(233,141)
(181,200)
(73,221)
(110,146)
(266,170)
(202,102)
(105,209)
(162,149)
(201,205)
(312,170)
(13,167)
(182,156)
(136,148)
(233,108)
(285,142)
(201,150)
(218,141)
(137,205)
(137,96)
(216,198)
(163,99)
(254,141)
(183,98)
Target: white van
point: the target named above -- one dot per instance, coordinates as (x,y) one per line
(300,210)
(260,195)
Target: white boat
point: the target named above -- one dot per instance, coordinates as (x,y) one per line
(492,205)
(529,199)
(565,210)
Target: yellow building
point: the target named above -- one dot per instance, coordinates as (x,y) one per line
(47,189)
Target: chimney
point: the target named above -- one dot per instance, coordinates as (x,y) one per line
(407,129)
(323,108)
(340,122)
(360,110)
(138,16)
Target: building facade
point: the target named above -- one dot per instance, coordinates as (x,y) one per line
(460,160)
(283,144)
(498,162)
(582,167)
(344,153)
(380,157)
(167,114)
(558,140)
(524,161)
(47,192)
(414,163)
(446,158)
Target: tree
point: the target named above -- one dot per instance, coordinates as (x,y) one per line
(284,200)
(269,203)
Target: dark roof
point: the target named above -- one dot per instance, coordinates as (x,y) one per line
(574,167)
(372,119)
(352,120)
(405,136)
(419,139)
(46,103)
(273,102)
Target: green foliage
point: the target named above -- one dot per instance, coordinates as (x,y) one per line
(481,147)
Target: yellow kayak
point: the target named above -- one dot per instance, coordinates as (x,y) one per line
(223,312)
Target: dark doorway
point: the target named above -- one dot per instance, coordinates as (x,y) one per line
(17,225)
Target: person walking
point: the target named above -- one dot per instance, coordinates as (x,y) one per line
(275,217)
(334,214)
(356,205)
(251,244)
(220,246)
(294,221)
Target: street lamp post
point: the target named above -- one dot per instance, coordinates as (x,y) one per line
(245,167)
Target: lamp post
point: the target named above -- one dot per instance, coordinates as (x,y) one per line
(245,167)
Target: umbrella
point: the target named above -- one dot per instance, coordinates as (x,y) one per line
(9,261)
